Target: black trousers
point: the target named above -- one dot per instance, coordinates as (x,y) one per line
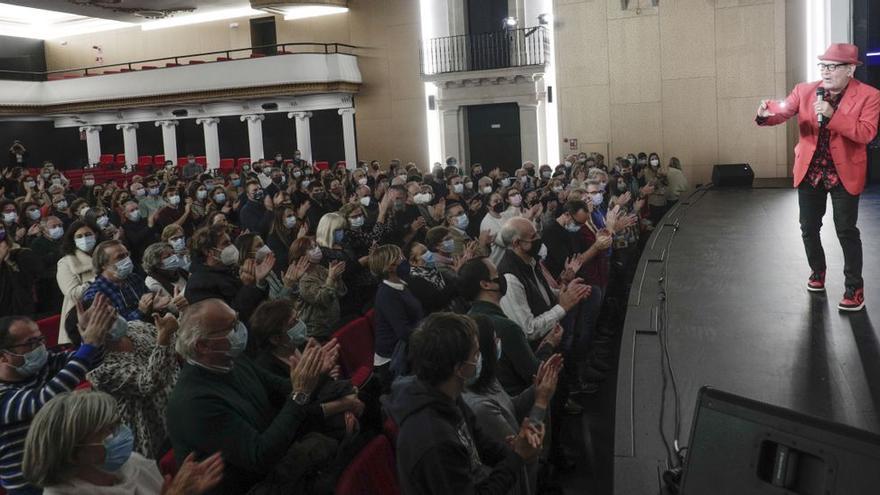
(812,203)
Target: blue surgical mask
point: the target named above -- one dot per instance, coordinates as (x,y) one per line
(124,267)
(117,449)
(119,329)
(298,334)
(356,222)
(429,258)
(178,244)
(597,199)
(478,368)
(449,245)
(338,235)
(171,263)
(462,221)
(238,338)
(33,361)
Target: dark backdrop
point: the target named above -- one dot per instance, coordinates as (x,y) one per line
(64,148)
(22,54)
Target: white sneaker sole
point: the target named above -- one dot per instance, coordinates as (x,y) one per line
(853,308)
(811,289)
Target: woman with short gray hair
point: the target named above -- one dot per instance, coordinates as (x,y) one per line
(165,274)
(77,445)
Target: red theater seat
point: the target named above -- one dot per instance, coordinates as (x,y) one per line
(145,160)
(222,59)
(202,160)
(172,64)
(159,160)
(356,350)
(120,159)
(227,164)
(322,165)
(50,327)
(371,472)
(242,162)
(257,55)
(148,67)
(195,62)
(168,464)
(105,159)
(181,161)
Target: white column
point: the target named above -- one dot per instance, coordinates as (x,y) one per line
(93,142)
(255,135)
(303,133)
(348,137)
(541,91)
(528,132)
(212,141)
(169,138)
(129,142)
(451,144)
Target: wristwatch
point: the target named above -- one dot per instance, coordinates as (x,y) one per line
(300,398)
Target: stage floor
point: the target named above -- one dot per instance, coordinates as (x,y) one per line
(741,320)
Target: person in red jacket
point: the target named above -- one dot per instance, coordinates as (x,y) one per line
(837,118)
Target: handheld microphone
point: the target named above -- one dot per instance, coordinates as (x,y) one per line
(820,96)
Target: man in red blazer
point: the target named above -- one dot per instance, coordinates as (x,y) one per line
(837,118)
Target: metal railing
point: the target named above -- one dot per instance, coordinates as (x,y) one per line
(485,51)
(180,60)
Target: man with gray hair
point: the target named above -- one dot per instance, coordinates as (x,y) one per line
(529,300)
(224,402)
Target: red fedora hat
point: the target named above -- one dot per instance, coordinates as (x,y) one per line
(843,53)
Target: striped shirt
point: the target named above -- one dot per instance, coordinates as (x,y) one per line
(20,401)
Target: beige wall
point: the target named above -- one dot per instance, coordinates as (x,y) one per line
(683,80)
(390,116)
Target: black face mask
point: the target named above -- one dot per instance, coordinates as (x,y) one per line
(318,195)
(502,284)
(499,207)
(258,195)
(531,172)
(535,248)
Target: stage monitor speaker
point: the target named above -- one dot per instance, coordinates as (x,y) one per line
(733,175)
(742,446)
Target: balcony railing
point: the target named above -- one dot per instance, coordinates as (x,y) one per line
(473,52)
(182,60)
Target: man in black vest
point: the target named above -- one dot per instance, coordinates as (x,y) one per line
(532,303)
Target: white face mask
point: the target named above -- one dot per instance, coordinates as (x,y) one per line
(655,163)
(356,222)
(262,253)
(174,200)
(458,188)
(315,254)
(422,198)
(487,190)
(229,255)
(85,243)
(365,201)
(290,222)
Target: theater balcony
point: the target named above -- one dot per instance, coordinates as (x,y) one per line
(290,69)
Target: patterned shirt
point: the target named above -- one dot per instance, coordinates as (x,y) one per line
(822,171)
(124,297)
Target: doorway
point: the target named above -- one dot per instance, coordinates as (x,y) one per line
(489,44)
(262,34)
(493,136)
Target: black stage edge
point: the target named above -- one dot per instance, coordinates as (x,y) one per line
(739,318)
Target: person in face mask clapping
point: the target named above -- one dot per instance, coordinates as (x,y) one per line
(320,288)
(117,281)
(251,247)
(215,272)
(140,369)
(31,375)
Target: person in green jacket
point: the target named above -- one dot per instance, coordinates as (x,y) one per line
(479,282)
(224,402)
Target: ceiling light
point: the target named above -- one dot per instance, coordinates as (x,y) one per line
(306,11)
(184,20)
(27,22)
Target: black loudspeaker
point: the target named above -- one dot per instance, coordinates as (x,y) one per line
(742,446)
(733,175)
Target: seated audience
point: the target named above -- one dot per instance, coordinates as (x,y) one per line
(117,281)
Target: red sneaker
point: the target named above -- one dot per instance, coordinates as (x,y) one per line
(816,282)
(853,300)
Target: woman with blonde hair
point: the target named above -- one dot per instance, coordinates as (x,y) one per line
(76,444)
